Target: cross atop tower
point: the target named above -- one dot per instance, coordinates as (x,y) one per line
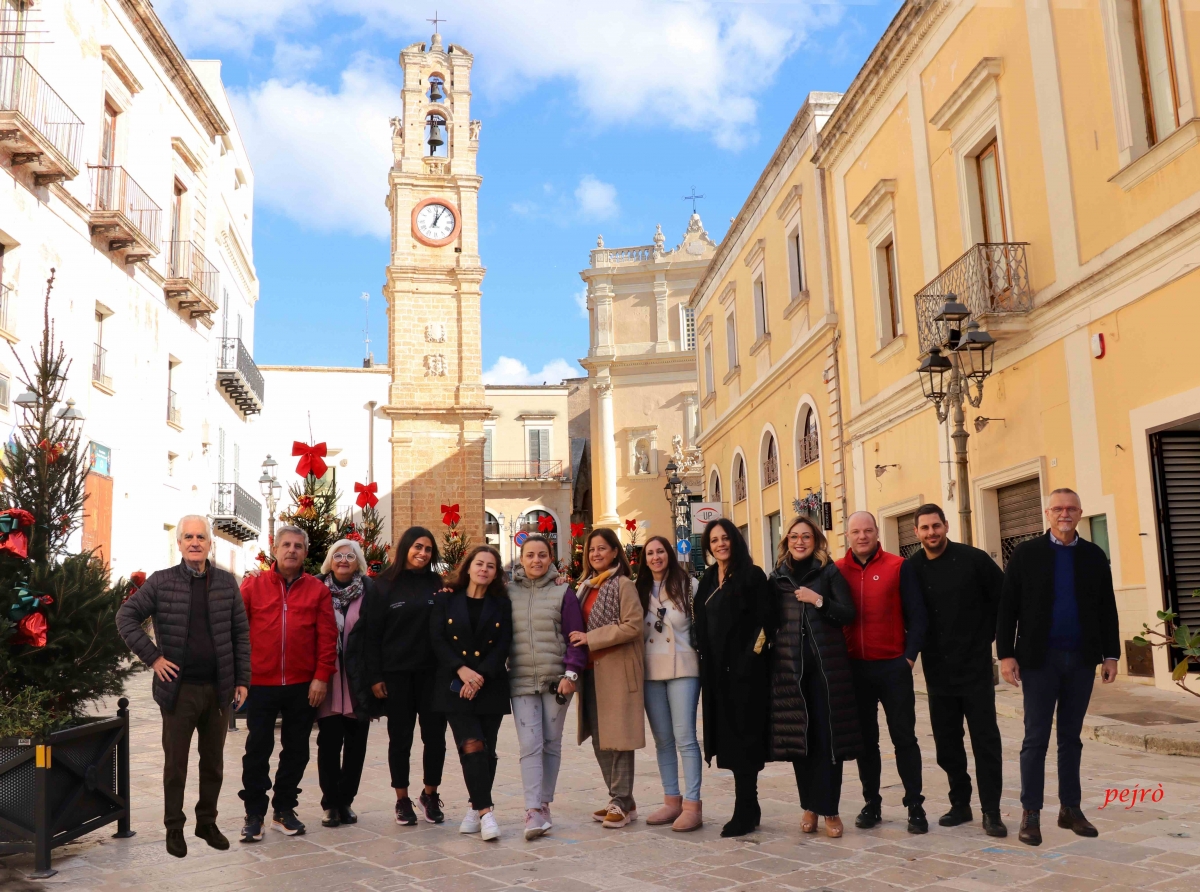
(435,20)
(692,198)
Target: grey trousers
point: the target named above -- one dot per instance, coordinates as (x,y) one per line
(539,719)
(615,765)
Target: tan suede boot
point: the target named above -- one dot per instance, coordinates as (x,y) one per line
(671,808)
(692,817)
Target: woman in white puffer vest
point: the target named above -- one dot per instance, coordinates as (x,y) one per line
(543,668)
(672,682)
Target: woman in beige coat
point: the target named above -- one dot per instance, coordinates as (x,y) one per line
(613,701)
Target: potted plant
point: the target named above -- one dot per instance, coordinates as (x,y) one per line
(62,773)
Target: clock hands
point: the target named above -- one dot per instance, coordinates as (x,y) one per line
(436,214)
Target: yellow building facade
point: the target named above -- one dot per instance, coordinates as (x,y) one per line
(1038,161)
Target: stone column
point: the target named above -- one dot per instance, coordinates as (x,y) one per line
(662,329)
(606,516)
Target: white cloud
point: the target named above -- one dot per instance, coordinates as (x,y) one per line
(693,65)
(581,301)
(294,59)
(512,371)
(288,127)
(596,200)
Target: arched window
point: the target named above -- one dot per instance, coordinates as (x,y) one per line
(739,480)
(714,487)
(770,461)
(491,528)
(809,441)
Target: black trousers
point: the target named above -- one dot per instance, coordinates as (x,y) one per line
(887,682)
(479,768)
(341,751)
(197,710)
(264,704)
(947,712)
(1064,681)
(409,698)
(819,773)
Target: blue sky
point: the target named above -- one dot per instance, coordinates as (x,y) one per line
(596,119)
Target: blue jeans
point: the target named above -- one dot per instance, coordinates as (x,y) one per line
(1064,683)
(671,708)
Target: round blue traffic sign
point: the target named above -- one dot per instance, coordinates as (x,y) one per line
(684,547)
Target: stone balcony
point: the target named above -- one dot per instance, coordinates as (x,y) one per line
(38,130)
(239,377)
(991,279)
(123,213)
(191,281)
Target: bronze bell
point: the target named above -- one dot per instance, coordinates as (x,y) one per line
(435,91)
(435,136)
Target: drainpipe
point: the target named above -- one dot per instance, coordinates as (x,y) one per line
(837,383)
(371,441)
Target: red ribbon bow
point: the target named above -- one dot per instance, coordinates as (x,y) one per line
(576,530)
(31,630)
(631,525)
(366,494)
(450,514)
(53,451)
(14,521)
(312,459)
(545,524)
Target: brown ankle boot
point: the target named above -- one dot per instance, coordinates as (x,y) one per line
(691,818)
(671,808)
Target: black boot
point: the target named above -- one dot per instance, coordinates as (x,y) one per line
(868,817)
(993,825)
(958,814)
(746,811)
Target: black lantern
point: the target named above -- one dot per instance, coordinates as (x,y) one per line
(952,311)
(932,372)
(975,351)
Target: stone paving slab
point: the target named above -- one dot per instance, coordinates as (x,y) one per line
(1149,846)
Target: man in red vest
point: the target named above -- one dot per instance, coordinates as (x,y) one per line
(883,642)
(293,652)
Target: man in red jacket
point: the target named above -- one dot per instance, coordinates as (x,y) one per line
(293,648)
(883,642)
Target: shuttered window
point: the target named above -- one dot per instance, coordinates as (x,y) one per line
(1177,492)
(1020,514)
(906,536)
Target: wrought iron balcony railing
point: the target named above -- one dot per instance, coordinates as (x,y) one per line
(122,209)
(100,366)
(49,133)
(191,277)
(992,279)
(523,470)
(174,415)
(770,471)
(239,377)
(739,489)
(810,449)
(235,512)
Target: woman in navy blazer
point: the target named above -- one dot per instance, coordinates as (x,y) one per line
(471,631)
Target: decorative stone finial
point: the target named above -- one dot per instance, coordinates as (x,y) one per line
(599,241)
(659,238)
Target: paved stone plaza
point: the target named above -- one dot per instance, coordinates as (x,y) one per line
(1151,846)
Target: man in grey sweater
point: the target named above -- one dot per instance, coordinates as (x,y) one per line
(200,655)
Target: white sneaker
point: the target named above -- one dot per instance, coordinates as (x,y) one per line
(488,828)
(470,822)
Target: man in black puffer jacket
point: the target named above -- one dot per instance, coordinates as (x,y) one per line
(200,655)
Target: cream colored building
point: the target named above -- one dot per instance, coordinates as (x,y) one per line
(123,171)
(436,403)
(641,367)
(1041,162)
(527,466)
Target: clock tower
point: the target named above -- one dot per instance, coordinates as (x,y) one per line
(436,402)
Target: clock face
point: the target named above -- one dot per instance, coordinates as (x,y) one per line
(435,221)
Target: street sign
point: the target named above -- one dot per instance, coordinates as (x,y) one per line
(703,513)
(684,547)
(682,532)
(827,515)
(520,538)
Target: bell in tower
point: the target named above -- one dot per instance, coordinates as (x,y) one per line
(435,90)
(435,135)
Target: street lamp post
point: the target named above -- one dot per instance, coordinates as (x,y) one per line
(271,490)
(677,494)
(968,365)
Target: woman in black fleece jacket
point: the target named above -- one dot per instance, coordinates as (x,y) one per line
(401,665)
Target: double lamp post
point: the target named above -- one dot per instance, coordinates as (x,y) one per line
(952,373)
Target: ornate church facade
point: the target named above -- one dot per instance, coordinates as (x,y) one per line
(436,401)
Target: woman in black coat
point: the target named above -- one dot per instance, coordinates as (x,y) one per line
(471,631)
(813,717)
(731,619)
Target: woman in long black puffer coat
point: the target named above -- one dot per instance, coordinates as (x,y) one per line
(732,625)
(813,717)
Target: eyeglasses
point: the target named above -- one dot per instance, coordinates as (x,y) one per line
(1065,509)
(345,556)
(662,612)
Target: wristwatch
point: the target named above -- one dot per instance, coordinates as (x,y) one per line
(820,602)
(571,675)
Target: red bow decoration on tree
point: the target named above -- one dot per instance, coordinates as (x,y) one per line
(13,523)
(545,524)
(366,494)
(53,450)
(312,459)
(576,530)
(450,515)
(631,525)
(31,630)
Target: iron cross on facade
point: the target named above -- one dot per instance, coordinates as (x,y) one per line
(692,198)
(435,20)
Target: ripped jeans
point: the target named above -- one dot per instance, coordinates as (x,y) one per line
(539,720)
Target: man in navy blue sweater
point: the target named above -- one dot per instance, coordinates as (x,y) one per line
(1057,621)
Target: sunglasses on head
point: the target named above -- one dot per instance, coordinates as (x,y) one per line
(658,624)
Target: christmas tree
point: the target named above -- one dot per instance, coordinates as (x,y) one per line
(59,648)
(367,531)
(455,542)
(314,505)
